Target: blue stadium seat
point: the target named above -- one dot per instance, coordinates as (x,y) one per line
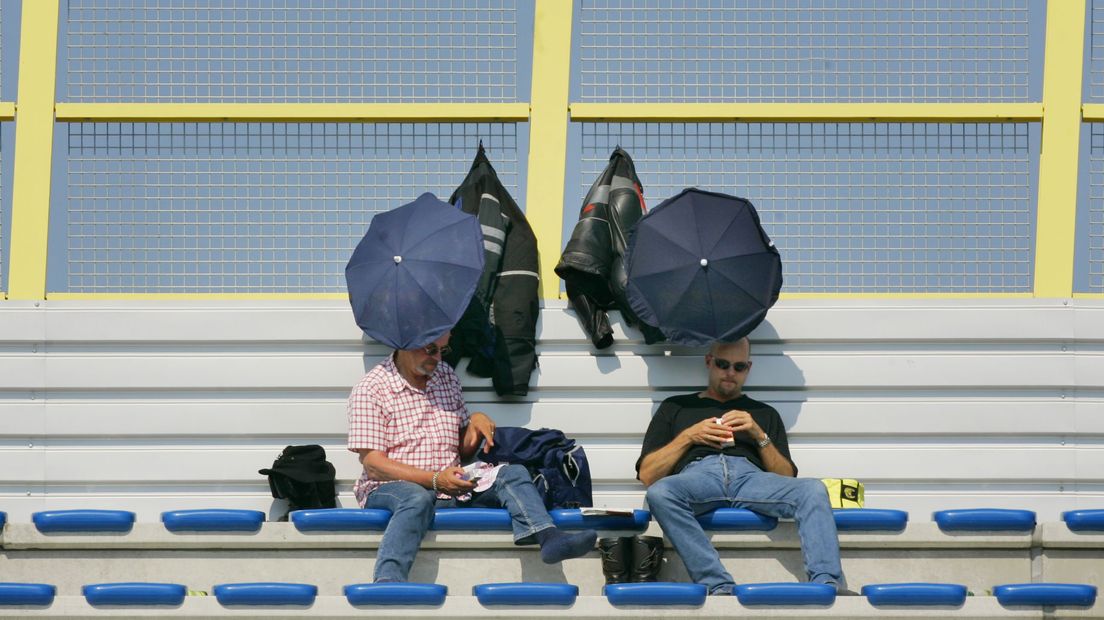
(134,593)
(1084,520)
(573,519)
(1071,594)
(471,519)
(785,594)
(265,594)
(53,521)
(27,594)
(655,593)
(340,519)
(212,520)
(915,594)
(985,520)
(3,519)
(737,519)
(396,594)
(526,593)
(870,519)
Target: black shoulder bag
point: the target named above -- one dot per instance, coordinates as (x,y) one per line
(302,476)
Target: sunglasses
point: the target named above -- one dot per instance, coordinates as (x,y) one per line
(724,364)
(432,349)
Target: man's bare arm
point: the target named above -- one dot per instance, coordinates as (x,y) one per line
(379,467)
(480,428)
(773,461)
(658,464)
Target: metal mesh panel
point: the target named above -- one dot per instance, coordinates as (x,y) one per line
(1095,86)
(249,207)
(291,50)
(803,50)
(1,41)
(875,207)
(1093,236)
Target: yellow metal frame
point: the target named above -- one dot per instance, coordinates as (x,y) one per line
(544,196)
(905,296)
(549,112)
(805,112)
(177,296)
(1057,204)
(1092,112)
(30,221)
(284,112)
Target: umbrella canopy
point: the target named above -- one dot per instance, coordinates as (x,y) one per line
(414,272)
(702,269)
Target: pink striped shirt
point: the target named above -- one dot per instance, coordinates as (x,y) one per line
(411,426)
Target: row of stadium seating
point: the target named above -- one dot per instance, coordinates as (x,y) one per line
(724,519)
(658,594)
(92,528)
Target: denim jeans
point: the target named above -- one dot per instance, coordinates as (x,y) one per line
(412,508)
(720,481)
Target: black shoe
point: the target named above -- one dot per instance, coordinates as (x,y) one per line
(647,558)
(616,558)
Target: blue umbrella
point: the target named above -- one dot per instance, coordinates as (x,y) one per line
(702,269)
(414,272)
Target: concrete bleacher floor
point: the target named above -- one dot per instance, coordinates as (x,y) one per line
(941,404)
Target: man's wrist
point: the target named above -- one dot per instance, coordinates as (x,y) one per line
(433,482)
(764,442)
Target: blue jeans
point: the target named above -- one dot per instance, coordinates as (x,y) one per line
(720,481)
(412,507)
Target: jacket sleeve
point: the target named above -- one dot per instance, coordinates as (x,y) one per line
(473,335)
(585,269)
(593,318)
(515,309)
(625,210)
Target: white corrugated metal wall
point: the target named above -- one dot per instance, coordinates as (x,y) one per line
(158,405)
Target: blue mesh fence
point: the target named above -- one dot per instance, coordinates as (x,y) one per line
(294,51)
(855,207)
(807,50)
(247,207)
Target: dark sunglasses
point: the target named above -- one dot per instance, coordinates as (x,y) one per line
(724,364)
(432,349)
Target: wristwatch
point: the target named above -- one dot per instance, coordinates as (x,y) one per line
(764,442)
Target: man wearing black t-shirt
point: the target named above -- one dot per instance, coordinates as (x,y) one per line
(719,448)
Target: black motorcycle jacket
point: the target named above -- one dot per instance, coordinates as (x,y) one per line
(593,263)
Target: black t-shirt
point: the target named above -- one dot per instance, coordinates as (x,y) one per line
(679,413)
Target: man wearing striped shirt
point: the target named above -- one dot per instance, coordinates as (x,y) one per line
(411,429)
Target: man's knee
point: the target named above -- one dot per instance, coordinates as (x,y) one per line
(661,493)
(812,491)
(514,473)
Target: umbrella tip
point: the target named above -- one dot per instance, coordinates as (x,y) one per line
(704,262)
(398,259)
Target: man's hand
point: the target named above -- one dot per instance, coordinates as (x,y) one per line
(480,427)
(708,433)
(742,422)
(450,482)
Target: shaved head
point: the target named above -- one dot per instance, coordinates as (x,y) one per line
(718,346)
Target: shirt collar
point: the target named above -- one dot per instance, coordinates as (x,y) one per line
(398,383)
